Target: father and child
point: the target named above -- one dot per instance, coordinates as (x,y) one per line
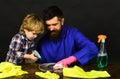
(61,44)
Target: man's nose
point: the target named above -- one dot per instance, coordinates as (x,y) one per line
(51,28)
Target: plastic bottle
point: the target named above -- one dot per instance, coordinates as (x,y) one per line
(15,62)
(102,59)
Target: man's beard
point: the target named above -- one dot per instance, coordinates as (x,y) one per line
(54,35)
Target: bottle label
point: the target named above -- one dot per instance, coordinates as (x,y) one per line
(103,54)
(102,61)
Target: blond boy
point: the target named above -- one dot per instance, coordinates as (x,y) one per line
(22,45)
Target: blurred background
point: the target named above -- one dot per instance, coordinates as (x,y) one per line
(91,17)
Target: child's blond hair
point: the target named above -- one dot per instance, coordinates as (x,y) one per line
(32,23)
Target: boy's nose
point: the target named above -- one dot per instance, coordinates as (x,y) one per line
(35,36)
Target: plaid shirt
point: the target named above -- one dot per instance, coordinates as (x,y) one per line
(19,46)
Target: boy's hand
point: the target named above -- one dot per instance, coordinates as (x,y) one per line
(33,57)
(36,54)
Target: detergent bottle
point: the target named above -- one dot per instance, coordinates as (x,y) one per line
(102,59)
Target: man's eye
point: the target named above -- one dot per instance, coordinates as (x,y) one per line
(51,24)
(55,24)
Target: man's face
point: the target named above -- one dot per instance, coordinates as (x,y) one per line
(54,27)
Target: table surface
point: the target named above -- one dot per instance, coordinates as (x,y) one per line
(113,69)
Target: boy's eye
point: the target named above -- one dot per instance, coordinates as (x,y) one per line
(34,33)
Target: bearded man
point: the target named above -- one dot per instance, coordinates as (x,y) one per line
(63,45)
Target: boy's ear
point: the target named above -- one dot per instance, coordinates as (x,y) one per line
(25,30)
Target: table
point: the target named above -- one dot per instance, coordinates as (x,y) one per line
(112,68)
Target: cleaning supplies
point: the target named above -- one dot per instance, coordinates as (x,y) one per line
(102,59)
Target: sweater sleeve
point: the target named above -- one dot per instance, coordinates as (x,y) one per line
(87,50)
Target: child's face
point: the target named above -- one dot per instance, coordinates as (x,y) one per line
(30,34)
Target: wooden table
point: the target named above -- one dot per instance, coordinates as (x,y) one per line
(112,68)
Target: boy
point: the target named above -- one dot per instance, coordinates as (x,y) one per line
(22,45)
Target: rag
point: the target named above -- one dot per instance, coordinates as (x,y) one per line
(78,72)
(8,69)
(47,75)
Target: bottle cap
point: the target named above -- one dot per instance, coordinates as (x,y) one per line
(100,37)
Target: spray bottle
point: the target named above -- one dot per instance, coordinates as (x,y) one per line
(102,59)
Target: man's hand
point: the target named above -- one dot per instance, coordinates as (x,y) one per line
(65,62)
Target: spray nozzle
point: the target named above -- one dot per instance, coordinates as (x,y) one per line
(100,37)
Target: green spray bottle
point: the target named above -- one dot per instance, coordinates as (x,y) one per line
(102,59)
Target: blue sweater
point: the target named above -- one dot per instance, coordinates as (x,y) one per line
(71,43)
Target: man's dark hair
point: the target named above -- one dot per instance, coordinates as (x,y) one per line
(52,11)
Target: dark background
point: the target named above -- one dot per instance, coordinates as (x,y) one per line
(92,17)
